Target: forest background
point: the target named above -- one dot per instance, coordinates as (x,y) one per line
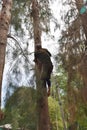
(64,33)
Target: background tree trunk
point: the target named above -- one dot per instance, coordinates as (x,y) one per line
(83,64)
(42,100)
(71,100)
(4,26)
(79,4)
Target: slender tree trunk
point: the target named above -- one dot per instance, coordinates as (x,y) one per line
(42,101)
(61,108)
(71,99)
(4,26)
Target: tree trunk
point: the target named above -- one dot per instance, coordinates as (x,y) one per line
(83,64)
(42,101)
(61,108)
(83,17)
(4,26)
(83,72)
(71,105)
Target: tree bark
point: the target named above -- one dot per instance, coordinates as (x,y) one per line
(42,100)
(4,26)
(71,99)
(83,63)
(83,17)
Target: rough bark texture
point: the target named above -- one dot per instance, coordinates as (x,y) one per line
(42,100)
(83,64)
(79,4)
(4,26)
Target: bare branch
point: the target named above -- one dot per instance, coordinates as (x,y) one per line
(9,36)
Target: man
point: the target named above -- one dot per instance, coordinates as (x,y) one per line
(43,58)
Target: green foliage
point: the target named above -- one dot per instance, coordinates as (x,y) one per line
(21,109)
(55,116)
(17,15)
(82,115)
(22,15)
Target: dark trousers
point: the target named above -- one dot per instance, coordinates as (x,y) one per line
(46,71)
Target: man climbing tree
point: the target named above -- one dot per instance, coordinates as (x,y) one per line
(42,57)
(43,120)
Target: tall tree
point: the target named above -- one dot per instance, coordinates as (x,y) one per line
(23,8)
(83,63)
(5,17)
(42,101)
(71,55)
